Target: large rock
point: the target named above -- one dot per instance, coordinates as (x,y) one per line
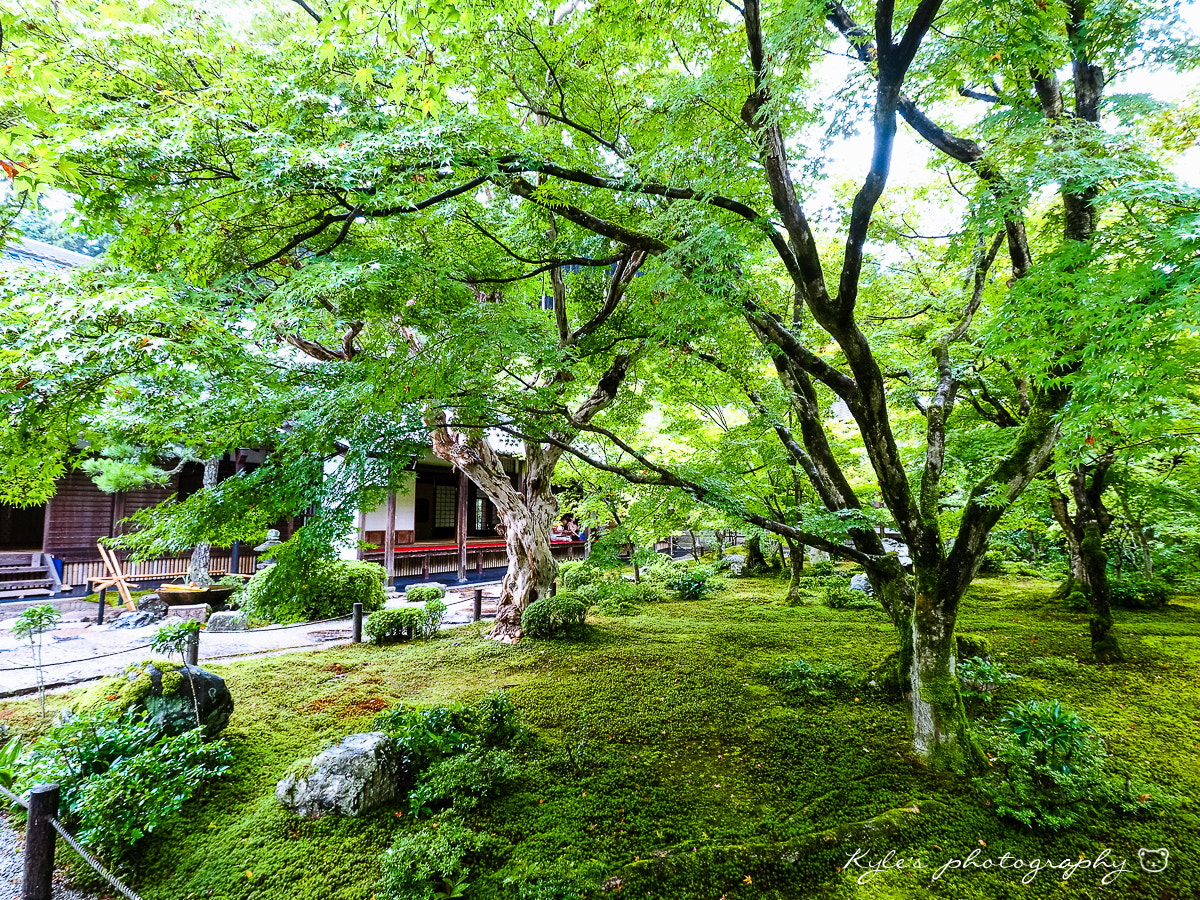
(862,583)
(152,603)
(164,690)
(139,619)
(230,620)
(357,775)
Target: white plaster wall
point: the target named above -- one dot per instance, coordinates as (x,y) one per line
(405,510)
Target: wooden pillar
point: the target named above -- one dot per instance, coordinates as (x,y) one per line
(118,513)
(389,537)
(464,484)
(362,531)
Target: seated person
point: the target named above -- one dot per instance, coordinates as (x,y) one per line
(566,530)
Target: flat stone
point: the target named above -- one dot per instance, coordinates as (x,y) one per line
(357,775)
(230,620)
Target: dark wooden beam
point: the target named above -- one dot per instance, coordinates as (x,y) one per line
(464,485)
(389,536)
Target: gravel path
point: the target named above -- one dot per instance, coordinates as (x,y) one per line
(68,651)
(12,861)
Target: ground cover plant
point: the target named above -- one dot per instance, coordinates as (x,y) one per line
(665,753)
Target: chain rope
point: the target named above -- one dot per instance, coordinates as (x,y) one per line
(13,797)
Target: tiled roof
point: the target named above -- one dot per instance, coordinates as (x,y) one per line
(36,255)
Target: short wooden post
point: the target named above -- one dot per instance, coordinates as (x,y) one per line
(39,843)
(479,562)
(554,588)
(358,608)
(100,606)
(193,649)
(478,611)
(425,567)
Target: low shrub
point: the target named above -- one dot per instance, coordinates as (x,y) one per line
(1134,591)
(574,575)
(1049,771)
(693,584)
(463,779)
(837,594)
(392,624)
(324,589)
(822,569)
(119,778)
(423,593)
(833,591)
(551,617)
(238,583)
(979,678)
(822,683)
(428,859)
(660,568)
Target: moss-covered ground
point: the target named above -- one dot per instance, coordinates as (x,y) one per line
(667,757)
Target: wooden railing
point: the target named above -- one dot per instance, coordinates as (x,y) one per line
(163,568)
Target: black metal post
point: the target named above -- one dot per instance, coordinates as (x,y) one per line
(100,608)
(554,588)
(39,843)
(235,559)
(358,608)
(193,649)
(478,612)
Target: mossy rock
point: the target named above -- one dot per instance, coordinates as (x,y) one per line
(164,691)
(973,646)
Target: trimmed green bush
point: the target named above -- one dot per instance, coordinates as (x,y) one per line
(574,575)
(324,589)
(423,593)
(553,616)
(391,624)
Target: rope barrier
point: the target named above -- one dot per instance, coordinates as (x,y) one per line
(91,860)
(13,797)
(67,662)
(266,628)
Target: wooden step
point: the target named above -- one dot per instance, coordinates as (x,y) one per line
(39,592)
(22,570)
(29,583)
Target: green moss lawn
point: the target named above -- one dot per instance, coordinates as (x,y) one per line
(666,758)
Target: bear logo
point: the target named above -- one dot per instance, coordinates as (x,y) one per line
(1153,861)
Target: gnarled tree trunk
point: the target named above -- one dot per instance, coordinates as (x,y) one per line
(528,516)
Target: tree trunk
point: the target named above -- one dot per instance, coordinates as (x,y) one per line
(198,572)
(755,561)
(1089,563)
(531,568)
(796,569)
(941,733)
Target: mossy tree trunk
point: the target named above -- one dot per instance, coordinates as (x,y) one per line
(198,568)
(795,570)
(755,561)
(1085,532)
